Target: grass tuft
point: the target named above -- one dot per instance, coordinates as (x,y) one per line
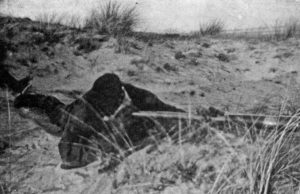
(288,30)
(48,26)
(270,164)
(49,19)
(113,18)
(212,28)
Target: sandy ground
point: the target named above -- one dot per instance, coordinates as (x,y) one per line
(234,75)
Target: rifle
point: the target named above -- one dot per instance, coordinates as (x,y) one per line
(252,119)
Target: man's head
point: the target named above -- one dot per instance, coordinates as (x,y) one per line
(106,95)
(107,83)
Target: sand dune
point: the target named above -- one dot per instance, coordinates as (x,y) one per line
(170,15)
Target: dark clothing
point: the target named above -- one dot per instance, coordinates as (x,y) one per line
(8,81)
(100,120)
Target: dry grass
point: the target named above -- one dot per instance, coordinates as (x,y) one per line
(48,25)
(74,22)
(54,26)
(211,28)
(279,32)
(113,18)
(259,161)
(195,157)
(270,164)
(5,185)
(288,30)
(48,19)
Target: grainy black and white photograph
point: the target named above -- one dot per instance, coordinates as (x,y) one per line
(149,96)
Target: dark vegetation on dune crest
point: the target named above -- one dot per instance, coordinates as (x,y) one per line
(191,154)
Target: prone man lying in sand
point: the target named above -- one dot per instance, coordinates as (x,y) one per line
(100,120)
